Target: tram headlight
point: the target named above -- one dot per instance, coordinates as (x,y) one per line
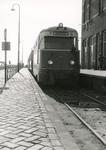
(72,62)
(60,25)
(50,62)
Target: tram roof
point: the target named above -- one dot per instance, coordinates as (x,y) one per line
(60,27)
(56,28)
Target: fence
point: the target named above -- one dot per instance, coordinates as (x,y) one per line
(10,71)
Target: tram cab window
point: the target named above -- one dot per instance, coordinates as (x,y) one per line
(59,42)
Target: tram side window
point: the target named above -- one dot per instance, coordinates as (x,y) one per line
(41,46)
(60,42)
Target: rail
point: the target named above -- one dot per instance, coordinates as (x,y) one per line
(82,120)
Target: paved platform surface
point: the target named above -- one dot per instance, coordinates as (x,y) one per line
(25,123)
(91,72)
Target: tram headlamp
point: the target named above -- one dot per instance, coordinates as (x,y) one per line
(60,25)
(50,62)
(72,62)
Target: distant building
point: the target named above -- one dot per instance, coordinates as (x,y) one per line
(2,63)
(93,33)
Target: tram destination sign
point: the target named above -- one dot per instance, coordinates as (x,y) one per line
(60,33)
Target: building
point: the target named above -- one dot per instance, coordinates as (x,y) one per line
(2,63)
(93,33)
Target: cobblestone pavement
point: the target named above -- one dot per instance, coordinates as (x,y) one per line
(24,124)
(24,121)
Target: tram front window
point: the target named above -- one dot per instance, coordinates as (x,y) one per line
(58,42)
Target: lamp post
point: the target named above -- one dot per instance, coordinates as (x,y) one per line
(18,32)
(22,52)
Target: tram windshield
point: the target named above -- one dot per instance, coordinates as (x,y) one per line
(58,42)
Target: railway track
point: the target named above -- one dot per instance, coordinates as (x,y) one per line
(82,106)
(94,99)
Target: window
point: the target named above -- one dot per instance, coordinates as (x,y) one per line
(50,42)
(100,6)
(104,50)
(41,46)
(91,42)
(85,43)
(87,10)
(93,8)
(98,46)
(99,43)
(92,46)
(104,43)
(85,48)
(85,54)
(104,4)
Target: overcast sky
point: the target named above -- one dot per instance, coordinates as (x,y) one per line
(35,15)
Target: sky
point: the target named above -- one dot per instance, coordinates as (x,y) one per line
(35,15)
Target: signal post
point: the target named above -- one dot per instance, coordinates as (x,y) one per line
(5,47)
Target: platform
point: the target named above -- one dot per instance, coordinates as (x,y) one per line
(26,121)
(91,72)
(93,79)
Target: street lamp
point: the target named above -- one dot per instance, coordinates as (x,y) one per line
(22,52)
(18,32)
